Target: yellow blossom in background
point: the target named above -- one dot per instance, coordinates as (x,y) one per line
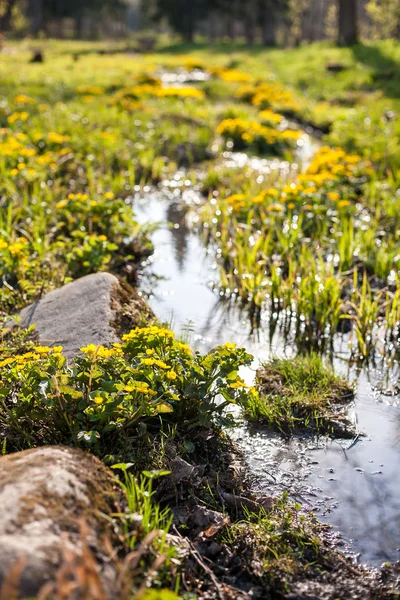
(333,196)
(23,99)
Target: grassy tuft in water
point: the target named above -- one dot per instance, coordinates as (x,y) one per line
(302,394)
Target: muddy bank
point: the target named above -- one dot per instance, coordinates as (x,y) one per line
(240,545)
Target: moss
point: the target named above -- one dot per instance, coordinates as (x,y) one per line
(130,309)
(87,472)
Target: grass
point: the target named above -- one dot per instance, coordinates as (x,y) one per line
(277,544)
(301,394)
(80,136)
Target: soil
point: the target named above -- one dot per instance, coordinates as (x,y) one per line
(210,493)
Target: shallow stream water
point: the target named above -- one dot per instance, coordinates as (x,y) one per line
(353,486)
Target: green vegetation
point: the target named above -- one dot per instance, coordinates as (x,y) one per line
(316,245)
(109,391)
(300,394)
(277,544)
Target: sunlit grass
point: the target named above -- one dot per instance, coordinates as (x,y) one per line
(299,394)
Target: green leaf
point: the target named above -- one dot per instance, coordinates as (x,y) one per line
(232,376)
(122,466)
(155,473)
(70,391)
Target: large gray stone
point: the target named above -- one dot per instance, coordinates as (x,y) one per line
(53,520)
(95,309)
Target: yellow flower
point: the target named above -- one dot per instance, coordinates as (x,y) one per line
(98,400)
(161,364)
(275,208)
(230,345)
(129,388)
(42,349)
(57,138)
(333,196)
(150,351)
(239,383)
(148,361)
(7,361)
(90,349)
(171,375)
(109,195)
(22,99)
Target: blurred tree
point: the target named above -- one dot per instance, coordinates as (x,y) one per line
(182,15)
(348,30)
(385,18)
(6,11)
(271,14)
(41,12)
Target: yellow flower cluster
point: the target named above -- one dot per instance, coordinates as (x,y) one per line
(249,132)
(16,248)
(140,387)
(153,330)
(95,352)
(331,167)
(23,159)
(147,90)
(18,116)
(268,94)
(231,75)
(149,362)
(19,361)
(57,138)
(332,163)
(23,99)
(269,116)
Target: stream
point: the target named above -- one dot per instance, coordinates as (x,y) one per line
(352,486)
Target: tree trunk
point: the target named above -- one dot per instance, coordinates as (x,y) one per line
(230,26)
(5,19)
(270,23)
(251,21)
(79,24)
(348,34)
(212,26)
(190,10)
(36,16)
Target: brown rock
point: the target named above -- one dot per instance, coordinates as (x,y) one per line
(54,507)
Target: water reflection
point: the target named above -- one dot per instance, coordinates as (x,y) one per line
(352,486)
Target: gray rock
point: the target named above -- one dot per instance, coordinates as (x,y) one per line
(95,309)
(53,520)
